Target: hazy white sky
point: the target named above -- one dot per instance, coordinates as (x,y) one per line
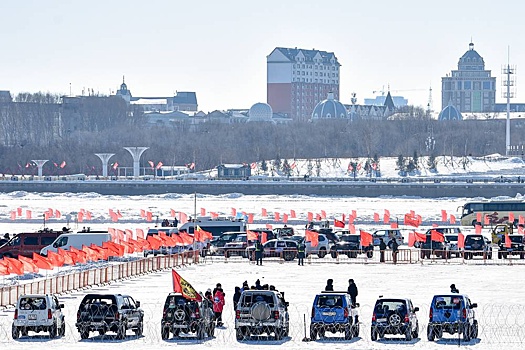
(219,48)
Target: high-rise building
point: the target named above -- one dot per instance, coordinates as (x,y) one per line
(470,88)
(298,79)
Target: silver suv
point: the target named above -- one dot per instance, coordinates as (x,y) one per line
(38,313)
(261,311)
(322,248)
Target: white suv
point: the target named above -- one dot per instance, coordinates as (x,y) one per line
(38,313)
(322,248)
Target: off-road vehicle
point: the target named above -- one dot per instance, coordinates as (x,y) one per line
(333,312)
(182,315)
(452,313)
(261,312)
(38,313)
(394,316)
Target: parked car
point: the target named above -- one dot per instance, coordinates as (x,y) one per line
(285,248)
(394,316)
(451,244)
(351,246)
(27,243)
(476,245)
(333,312)
(182,315)
(38,313)
(236,247)
(217,243)
(387,235)
(430,247)
(109,312)
(77,240)
(262,311)
(517,247)
(284,231)
(322,248)
(452,313)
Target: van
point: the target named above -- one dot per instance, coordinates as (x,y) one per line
(27,243)
(216,226)
(77,240)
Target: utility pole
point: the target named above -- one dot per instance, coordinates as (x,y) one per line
(508,82)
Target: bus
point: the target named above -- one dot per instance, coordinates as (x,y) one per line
(498,212)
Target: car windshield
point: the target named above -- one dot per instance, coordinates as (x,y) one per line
(228,237)
(241,238)
(33,303)
(516,239)
(297,238)
(474,239)
(447,302)
(452,238)
(350,238)
(251,298)
(330,301)
(386,305)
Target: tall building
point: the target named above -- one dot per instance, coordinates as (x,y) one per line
(470,88)
(298,79)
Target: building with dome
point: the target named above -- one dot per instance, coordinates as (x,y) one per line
(470,88)
(329,109)
(260,112)
(450,113)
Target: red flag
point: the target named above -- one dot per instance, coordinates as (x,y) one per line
(140,233)
(452,219)
(13,215)
(69,258)
(251,236)
(159,165)
(310,217)
(203,211)
(80,255)
(264,237)
(394,225)
(250,218)
(55,259)
(366,238)
(58,214)
(14,266)
(478,229)
(511,217)
(264,212)
(486,220)
(478,217)
(339,223)
(19,211)
(277,216)
(386,217)
(186,238)
(180,285)
(91,255)
(312,237)
(318,217)
(29,264)
(376,217)
(508,241)
(151,164)
(351,228)
(234,212)
(103,253)
(412,220)
(285,218)
(292,214)
(149,216)
(269,226)
(63,164)
(443,215)
(4,269)
(351,220)
(115,166)
(461,240)
(28,214)
(354,214)
(323,214)
(42,262)
(437,236)
(416,237)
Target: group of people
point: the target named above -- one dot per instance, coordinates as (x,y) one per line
(351,290)
(216,298)
(167,223)
(383,246)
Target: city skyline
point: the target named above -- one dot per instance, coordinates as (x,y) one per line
(219,50)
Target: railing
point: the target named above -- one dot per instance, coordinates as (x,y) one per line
(96,276)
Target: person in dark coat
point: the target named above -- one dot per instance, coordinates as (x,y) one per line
(236,297)
(329,285)
(352,290)
(258,253)
(395,249)
(301,253)
(258,284)
(453,289)
(382,248)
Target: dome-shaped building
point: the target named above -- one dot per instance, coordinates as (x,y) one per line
(260,112)
(450,113)
(329,109)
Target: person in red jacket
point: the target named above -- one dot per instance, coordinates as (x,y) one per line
(218,305)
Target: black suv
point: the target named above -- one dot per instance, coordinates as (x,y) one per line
(109,312)
(430,247)
(476,245)
(394,316)
(517,246)
(217,243)
(181,315)
(351,246)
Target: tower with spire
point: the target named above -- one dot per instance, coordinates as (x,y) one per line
(124,92)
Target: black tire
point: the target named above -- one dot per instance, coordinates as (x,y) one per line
(102,332)
(53,331)
(84,334)
(370,254)
(226,254)
(415,333)
(62,331)
(121,332)
(164,333)
(474,331)
(211,330)
(139,330)
(356,330)
(431,335)
(24,332)
(15,332)
(466,332)
(313,333)
(278,333)
(350,255)
(374,334)
(333,254)
(348,333)
(239,334)
(322,253)
(408,334)
(288,256)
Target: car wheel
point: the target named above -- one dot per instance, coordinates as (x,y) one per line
(278,333)
(121,331)
(522,256)
(348,332)
(226,255)
(139,330)
(313,333)
(53,331)
(373,334)
(200,332)
(431,335)
(474,333)
(84,334)
(321,253)
(211,331)
(408,333)
(466,332)
(394,319)
(15,332)
(415,333)
(102,332)
(333,254)
(62,331)
(164,333)
(356,330)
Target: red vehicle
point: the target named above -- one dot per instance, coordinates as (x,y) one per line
(27,243)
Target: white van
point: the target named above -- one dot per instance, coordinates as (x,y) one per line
(77,240)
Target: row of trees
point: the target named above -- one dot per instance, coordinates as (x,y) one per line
(74,132)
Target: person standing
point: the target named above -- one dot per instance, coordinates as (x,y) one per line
(395,249)
(236,297)
(258,252)
(301,250)
(382,248)
(453,289)
(329,285)
(352,290)
(218,305)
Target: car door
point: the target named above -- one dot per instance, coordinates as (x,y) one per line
(133,315)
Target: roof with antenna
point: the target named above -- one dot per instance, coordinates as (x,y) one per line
(389,102)
(471,60)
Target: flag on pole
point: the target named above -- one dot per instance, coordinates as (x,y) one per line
(312,237)
(180,285)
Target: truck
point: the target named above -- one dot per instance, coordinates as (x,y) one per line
(517,244)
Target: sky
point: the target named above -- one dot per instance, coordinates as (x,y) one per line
(218,48)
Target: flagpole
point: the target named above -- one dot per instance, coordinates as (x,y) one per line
(194,220)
